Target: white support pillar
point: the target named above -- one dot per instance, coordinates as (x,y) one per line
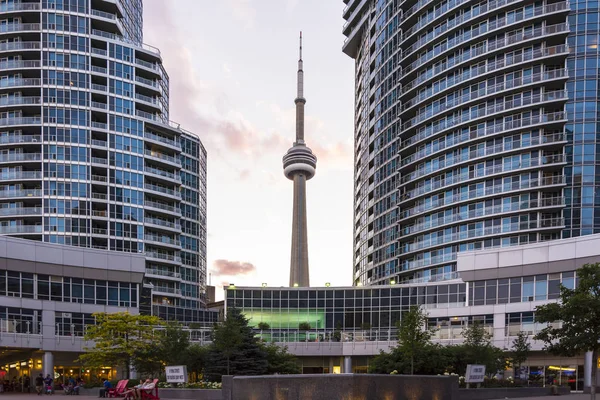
(48,364)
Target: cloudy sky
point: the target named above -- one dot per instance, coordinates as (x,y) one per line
(232,68)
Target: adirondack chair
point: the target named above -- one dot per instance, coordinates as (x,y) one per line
(150,394)
(119,389)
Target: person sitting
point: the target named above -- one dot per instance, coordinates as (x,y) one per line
(106,385)
(135,392)
(78,384)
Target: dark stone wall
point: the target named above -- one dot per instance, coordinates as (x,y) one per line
(507,393)
(344,387)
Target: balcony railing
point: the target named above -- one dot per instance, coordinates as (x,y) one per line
(163,156)
(147,82)
(4,194)
(12,175)
(162,206)
(101,52)
(9,212)
(19,100)
(98,160)
(162,222)
(163,256)
(162,239)
(486,151)
(163,173)
(162,139)
(164,289)
(20,139)
(20,157)
(19,64)
(493,129)
(100,88)
(103,14)
(160,272)
(147,99)
(100,70)
(146,64)
(7,230)
(488,190)
(14,82)
(483,110)
(162,189)
(112,36)
(475,72)
(482,212)
(19,7)
(20,46)
(19,27)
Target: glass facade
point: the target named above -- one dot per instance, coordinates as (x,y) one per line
(461,134)
(88,156)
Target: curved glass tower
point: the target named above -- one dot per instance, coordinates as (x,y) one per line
(460,130)
(88,156)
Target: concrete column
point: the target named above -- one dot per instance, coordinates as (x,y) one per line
(587,370)
(48,364)
(347,365)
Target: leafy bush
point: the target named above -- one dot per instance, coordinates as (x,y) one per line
(192,385)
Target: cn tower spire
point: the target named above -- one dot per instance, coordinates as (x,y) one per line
(299,165)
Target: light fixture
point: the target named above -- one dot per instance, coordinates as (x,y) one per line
(392,282)
(232,286)
(359,284)
(327,284)
(264,284)
(295,285)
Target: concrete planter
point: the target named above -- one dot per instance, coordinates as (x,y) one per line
(172,393)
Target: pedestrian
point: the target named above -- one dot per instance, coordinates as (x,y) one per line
(39,384)
(27,383)
(105,386)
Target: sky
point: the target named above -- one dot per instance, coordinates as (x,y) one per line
(232,68)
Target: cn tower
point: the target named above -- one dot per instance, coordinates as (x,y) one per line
(299,165)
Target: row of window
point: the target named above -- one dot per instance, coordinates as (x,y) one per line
(67,289)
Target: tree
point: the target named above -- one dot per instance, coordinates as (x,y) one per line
(118,338)
(196,360)
(263,326)
(304,326)
(235,349)
(520,352)
(478,349)
(170,347)
(280,361)
(574,322)
(413,334)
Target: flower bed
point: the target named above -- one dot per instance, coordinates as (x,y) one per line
(191,385)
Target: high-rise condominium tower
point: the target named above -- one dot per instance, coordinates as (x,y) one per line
(475,127)
(299,165)
(88,155)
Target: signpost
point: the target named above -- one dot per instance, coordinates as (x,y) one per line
(176,374)
(475,374)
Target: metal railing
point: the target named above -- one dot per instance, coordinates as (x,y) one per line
(162,239)
(480,173)
(19,27)
(103,14)
(482,212)
(98,160)
(477,193)
(493,129)
(20,193)
(99,125)
(162,189)
(101,52)
(99,143)
(99,196)
(100,70)
(20,46)
(147,99)
(20,229)
(12,82)
(162,222)
(454,80)
(12,175)
(20,139)
(147,82)
(162,156)
(19,64)
(163,173)
(164,289)
(20,157)
(162,139)
(96,104)
(112,36)
(161,272)
(163,256)
(5,212)
(18,100)
(146,64)
(162,206)
(100,88)
(19,7)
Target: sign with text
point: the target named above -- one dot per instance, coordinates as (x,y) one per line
(475,373)
(176,374)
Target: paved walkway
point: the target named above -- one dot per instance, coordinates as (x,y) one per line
(573,396)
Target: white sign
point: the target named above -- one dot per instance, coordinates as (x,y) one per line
(176,374)
(475,373)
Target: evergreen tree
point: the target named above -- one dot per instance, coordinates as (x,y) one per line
(235,349)
(280,361)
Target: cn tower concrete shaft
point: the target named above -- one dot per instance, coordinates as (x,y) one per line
(299,165)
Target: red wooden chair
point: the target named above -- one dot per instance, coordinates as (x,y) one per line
(119,389)
(150,394)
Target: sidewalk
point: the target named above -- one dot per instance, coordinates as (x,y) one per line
(573,396)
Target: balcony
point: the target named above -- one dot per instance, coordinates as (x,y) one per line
(19,229)
(98,160)
(164,174)
(11,157)
(20,139)
(163,257)
(146,64)
(19,28)
(163,190)
(100,70)
(99,125)
(7,7)
(147,82)
(166,290)
(163,157)
(146,99)
(20,121)
(20,175)
(163,207)
(18,100)
(163,223)
(99,88)
(18,82)
(162,140)
(20,46)
(9,194)
(163,273)
(104,15)
(162,240)
(21,211)
(19,64)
